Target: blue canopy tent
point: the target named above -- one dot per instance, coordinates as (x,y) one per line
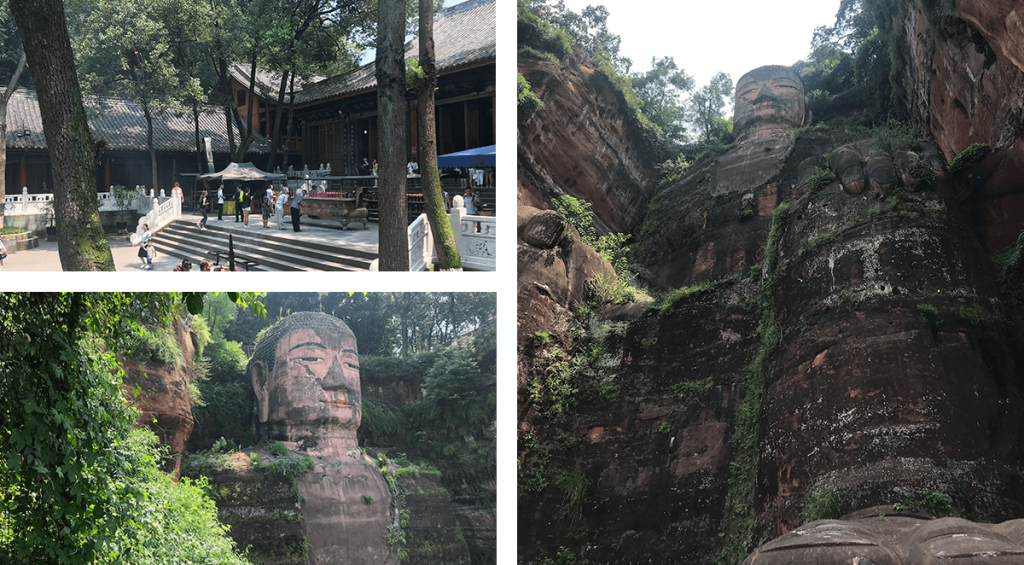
(477,157)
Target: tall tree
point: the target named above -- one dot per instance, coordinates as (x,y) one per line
(393,236)
(433,201)
(81,242)
(706,105)
(5,97)
(661,89)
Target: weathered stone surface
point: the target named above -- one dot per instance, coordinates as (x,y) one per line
(970,72)
(769,104)
(655,456)
(305,373)
(582,143)
(164,404)
(340,523)
(888,374)
(884,536)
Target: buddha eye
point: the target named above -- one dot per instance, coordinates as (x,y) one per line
(352,366)
(311,359)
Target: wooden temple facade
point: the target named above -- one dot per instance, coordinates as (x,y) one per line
(335,119)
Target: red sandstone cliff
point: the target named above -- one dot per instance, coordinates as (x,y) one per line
(163,400)
(582,143)
(964,76)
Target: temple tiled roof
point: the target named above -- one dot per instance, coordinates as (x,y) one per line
(464,35)
(267,81)
(122,125)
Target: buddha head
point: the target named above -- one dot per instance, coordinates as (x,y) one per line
(769,100)
(305,373)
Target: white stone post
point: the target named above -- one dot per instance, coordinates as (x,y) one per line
(24,200)
(455,217)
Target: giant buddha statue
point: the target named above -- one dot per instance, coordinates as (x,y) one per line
(769,104)
(305,373)
(889,535)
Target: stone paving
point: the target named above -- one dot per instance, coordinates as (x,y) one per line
(45,257)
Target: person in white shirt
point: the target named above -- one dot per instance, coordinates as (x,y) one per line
(220,203)
(279,208)
(472,202)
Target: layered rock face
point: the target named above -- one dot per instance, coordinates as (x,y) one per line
(895,370)
(582,144)
(874,317)
(968,65)
(164,404)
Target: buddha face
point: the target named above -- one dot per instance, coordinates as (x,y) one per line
(313,388)
(769,98)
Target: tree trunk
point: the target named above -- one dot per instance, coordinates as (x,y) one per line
(81,242)
(3,135)
(275,140)
(147,112)
(448,257)
(291,120)
(393,236)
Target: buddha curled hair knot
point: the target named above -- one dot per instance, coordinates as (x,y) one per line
(266,346)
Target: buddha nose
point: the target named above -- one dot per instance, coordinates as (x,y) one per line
(764,94)
(335,379)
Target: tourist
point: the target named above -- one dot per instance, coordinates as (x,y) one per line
(220,203)
(185,265)
(246,203)
(374,167)
(150,254)
(296,209)
(472,202)
(143,240)
(176,191)
(366,170)
(239,197)
(267,206)
(279,208)
(204,265)
(204,203)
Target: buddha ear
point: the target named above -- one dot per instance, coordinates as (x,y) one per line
(259,385)
(808,118)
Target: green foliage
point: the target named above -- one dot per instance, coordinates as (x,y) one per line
(612,290)
(555,393)
(895,135)
(78,484)
(928,309)
(205,463)
(288,466)
(671,171)
(623,87)
(543,36)
(526,101)
(368,499)
(382,418)
(178,522)
(565,556)
(820,179)
(665,428)
(157,343)
(455,401)
(278,449)
(705,107)
(230,406)
(667,303)
(574,484)
(11,231)
(692,389)
(612,247)
(936,503)
(979,315)
(968,158)
(660,90)
(227,360)
(821,504)
(414,73)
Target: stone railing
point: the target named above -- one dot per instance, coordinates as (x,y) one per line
(26,204)
(475,238)
(157,211)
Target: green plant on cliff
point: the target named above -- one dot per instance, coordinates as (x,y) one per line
(667,303)
(574,484)
(526,101)
(938,504)
(739,505)
(979,315)
(611,247)
(543,36)
(968,158)
(821,504)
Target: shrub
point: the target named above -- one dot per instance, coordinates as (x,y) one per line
(526,101)
(278,449)
(969,157)
(821,504)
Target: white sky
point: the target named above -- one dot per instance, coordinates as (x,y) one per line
(708,36)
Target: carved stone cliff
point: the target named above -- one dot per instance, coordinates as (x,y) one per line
(163,401)
(847,336)
(961,72)
(582,143)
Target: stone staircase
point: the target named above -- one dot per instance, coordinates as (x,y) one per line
(273,252)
